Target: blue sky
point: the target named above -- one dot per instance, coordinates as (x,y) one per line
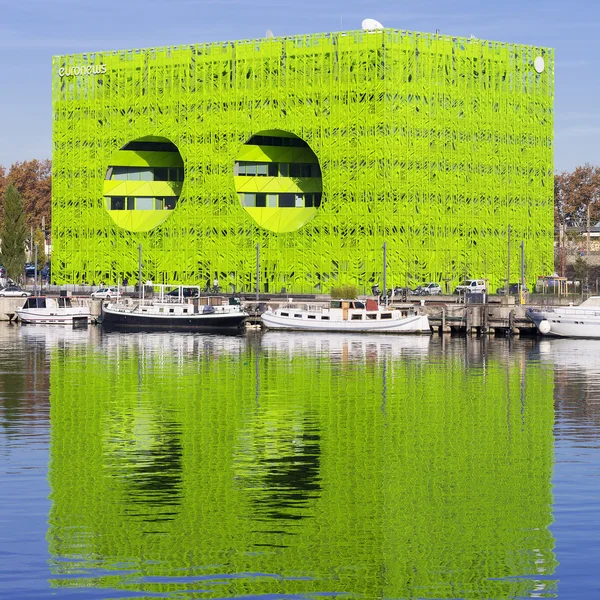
(32,31)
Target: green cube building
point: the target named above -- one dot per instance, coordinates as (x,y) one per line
(317,149)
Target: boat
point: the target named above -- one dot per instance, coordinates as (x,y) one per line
(172,312)
(348,316)
(582,321)
(53,311)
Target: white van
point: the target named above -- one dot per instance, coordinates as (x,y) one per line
(471,285)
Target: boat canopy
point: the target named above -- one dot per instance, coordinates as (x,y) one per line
(35,302)
(44,302)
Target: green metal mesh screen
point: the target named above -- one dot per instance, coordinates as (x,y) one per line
(432,144)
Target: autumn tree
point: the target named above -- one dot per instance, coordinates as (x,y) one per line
(33,180)
(13,234)
(575,193)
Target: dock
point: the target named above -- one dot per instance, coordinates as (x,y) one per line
(500,316)
(446,315)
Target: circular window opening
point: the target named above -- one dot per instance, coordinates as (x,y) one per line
(143,183)
(278,180)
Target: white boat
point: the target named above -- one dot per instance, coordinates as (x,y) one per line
(581,321)
(171,311)
(53,311)
(347,316)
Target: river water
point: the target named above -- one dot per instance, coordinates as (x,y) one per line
(297,465)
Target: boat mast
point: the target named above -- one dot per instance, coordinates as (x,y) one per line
(385,273)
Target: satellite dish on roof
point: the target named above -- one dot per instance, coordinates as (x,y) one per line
(371,25)
(539,65)
(269,33)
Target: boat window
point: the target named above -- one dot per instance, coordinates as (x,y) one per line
(312,316)
(386,315)
(171,310)
(358,305)
(356,317)
(161,309)
(298,316)
(325,318)
(35,303)
(285,314)
(372,316)
(336,304)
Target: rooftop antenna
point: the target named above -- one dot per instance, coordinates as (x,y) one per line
(371,25)
(269,34)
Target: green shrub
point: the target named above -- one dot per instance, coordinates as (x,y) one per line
(347,292)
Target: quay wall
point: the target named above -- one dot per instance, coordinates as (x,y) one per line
(445,316)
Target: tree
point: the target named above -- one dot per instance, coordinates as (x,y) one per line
(39,239)
(33,179)
(13,234)
(574,193)
(581,269)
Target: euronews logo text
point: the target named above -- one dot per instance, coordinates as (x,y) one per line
(83,70)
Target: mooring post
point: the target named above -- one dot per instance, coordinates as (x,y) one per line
(257,271)
(140,283)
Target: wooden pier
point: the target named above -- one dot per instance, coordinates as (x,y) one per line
(480,319)
(446,315)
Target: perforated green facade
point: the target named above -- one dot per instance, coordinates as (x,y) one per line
(432,144)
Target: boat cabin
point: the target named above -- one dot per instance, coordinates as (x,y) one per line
(346,310)
(43,302)
(350,304)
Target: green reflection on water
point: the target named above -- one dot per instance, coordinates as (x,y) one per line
(378,467)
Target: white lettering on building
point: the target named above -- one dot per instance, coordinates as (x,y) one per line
(82,70)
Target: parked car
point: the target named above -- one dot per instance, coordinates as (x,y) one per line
(29,270)
(471,285)
(13,291)
(105,293)
(513,289)
(431,289)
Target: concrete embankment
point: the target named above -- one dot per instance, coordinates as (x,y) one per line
(9,306)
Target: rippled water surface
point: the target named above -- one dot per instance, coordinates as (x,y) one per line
(297,465)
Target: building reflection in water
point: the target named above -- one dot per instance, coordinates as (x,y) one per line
(282,464)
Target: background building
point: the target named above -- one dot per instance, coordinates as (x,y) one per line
(318,148)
